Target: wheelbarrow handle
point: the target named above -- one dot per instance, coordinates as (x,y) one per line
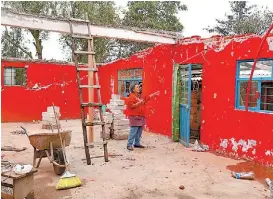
(25,131)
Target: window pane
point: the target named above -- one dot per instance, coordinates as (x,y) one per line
(252,101)
(7,71)
(262,69)
(20,76)
(267,96)
(7,80)
(14,76)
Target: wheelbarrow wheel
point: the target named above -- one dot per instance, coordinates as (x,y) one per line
(59,158)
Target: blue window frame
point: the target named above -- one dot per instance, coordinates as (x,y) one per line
(261,92)
(126,78)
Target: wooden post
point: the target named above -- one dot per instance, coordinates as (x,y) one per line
(90,93)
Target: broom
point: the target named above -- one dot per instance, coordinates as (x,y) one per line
(67,180)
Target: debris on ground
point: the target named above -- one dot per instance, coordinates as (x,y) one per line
(10,148)
(268,182)
(18,132)
(243,175)
(199,148)
(181,187)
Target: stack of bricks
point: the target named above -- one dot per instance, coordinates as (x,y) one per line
(120,123)
(48,118)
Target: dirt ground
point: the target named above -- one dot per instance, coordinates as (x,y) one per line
(154,172)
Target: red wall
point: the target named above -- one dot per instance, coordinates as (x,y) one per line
(57,85)
(220,120)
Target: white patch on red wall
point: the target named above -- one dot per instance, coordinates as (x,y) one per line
(224,143)
(246,145)
(269,152)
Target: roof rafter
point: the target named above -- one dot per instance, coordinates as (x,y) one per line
(21,20)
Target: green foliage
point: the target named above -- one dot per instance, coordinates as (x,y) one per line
(143,14)
(243,19)
(13,44)
(38,8)
(156,15)
(97,12)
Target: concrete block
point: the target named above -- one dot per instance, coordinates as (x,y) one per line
(121,122)
(113,107)
(126,130)
(119,116)
(117,112)
(115,97)
(50,109)
(121,136)
(115,127)
(117,102)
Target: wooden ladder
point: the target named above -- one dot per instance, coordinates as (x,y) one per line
(96,86)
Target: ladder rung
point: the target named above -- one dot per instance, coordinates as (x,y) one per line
(93,123)
(91,104)
(87,69)
(90,86)
(85,52)
(81,37)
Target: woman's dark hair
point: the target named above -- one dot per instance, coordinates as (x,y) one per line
(133,87)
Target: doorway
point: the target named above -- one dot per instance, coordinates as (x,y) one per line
(187,95)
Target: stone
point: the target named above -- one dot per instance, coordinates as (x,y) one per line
(116,112)
(115,127)
(121,136)
(114,107)
(115,97)
(50,109)
(127,130)
(119,116)
(117,102)
(121,122)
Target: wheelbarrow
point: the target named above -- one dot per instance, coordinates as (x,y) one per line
(49,145)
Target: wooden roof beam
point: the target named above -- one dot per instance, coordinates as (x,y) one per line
(21,20)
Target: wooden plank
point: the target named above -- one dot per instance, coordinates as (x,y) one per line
(21,20)
(91,65)
(13,175)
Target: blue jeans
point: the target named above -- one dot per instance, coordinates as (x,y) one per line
(134,135)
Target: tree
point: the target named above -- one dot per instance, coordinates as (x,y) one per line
(147,15)
(97,12)
(13,44)
(38,8)
(243,19)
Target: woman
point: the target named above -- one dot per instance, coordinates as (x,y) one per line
(136,108)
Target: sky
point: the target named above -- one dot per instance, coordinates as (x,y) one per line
(200,15)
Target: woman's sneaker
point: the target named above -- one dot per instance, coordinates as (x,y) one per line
(130,148)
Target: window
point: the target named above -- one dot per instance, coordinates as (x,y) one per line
(126,78)
(14,76)
(261,92)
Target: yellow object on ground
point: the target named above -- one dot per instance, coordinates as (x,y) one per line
(68,180)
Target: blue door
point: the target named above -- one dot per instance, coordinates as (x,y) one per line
(185,105)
